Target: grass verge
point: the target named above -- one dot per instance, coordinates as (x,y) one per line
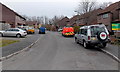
(4,42)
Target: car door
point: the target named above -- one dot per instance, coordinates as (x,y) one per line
(7,32)
(79,35)
(14,32)
(85,35)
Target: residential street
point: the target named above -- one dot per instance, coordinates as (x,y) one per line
(54,52)
(24,42)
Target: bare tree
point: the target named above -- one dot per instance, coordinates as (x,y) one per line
(55,19)
(86,6)
(90,5)
(46,19)
(26,17)
(104,5)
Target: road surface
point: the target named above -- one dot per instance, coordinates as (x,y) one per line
(54,52)
(24,42)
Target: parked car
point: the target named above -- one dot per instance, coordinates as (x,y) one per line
(23,29)
(59,30)
(14,32)
(30,30)
(42,30)
(68,31)
(93,35)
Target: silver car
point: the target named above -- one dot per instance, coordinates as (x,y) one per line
(93,35)
(13,32)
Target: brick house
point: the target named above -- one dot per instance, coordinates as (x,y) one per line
(85,19)
(63,22)
(74,20)
(11,17)
(108,15)
(34,24)
(119,13)
(89,18)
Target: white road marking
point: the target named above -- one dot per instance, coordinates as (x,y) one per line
(112,55)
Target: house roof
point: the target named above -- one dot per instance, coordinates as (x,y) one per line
(85,15)
(75,17)
(65,18)
(63,21)
(13,11)
(110,8)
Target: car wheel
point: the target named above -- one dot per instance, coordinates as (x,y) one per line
(102,36)
(76,41)
(18,35)
(39,32)
(1,34)
(62,35)
(104,45)
(85,45)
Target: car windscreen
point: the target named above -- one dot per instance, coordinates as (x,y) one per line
(31,28)
(96,29)
(23,29)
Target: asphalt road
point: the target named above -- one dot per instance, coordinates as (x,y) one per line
(54,52)
(114,49)
(24,42)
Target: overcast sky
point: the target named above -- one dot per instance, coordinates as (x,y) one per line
(47,8)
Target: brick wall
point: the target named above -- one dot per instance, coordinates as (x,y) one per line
(8,15)
(107,21)
(19,20)
(4,26)
(119,13)
(63,22)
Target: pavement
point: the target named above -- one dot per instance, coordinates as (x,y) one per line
(114,49)
(24,42)
(54,52)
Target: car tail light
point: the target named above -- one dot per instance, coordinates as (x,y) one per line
(88,37)
(108,35)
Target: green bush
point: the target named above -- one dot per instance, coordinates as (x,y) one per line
(76,28)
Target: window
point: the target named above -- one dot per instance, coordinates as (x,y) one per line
(9,30)
(105,16)
(95,30)
(84,31)
(16,30)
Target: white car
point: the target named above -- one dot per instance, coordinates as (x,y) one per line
(14,32)
(93,35)
(60,30)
